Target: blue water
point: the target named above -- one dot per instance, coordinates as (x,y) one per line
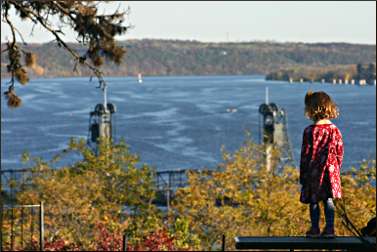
(176,122)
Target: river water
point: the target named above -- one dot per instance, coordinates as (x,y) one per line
(176,122)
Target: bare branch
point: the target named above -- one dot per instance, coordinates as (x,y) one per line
(95,31)
(6,16)
(10,46)
(21,36)
(60,41)
(63,10)
(32,29)
(4,50)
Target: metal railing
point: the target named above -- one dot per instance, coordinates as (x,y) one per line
(19,223)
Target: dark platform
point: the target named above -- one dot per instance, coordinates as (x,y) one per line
(300,242)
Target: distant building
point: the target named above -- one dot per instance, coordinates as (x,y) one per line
(362,82)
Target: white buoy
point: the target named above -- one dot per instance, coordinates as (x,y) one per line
(140,79)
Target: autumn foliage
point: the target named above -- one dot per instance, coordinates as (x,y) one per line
(241,198)
(92,203)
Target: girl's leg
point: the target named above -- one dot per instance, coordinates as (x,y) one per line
(329,214)
(314,215)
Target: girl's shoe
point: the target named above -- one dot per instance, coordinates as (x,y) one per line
(313,232)
(328,233)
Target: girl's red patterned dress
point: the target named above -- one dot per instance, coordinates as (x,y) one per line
(321,160)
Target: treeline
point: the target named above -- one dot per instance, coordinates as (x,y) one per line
(357,72)
(177,57)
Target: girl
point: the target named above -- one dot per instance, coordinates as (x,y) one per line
(321,160)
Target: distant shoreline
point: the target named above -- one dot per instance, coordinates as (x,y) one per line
(157,57)
(360,74)
(217,42)
(257,76)
(6,76)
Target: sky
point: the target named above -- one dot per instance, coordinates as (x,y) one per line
(232,21)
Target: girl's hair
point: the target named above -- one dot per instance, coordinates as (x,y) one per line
(319,105)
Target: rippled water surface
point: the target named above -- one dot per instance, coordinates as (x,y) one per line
(176,122)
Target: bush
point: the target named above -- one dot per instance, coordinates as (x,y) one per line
(84,203)
(242,199)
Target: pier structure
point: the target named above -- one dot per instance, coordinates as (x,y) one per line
(100,121)
(361,82)
(167,183)
(273,133)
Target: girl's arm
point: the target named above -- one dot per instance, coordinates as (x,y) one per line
(305,149)
(339,148)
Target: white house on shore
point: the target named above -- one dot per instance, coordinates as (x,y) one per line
(362,82)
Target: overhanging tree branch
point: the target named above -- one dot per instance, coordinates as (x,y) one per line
(94,31)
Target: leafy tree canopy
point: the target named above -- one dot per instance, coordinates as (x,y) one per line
(91,203)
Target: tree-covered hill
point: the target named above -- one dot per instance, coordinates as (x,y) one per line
(178,57)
